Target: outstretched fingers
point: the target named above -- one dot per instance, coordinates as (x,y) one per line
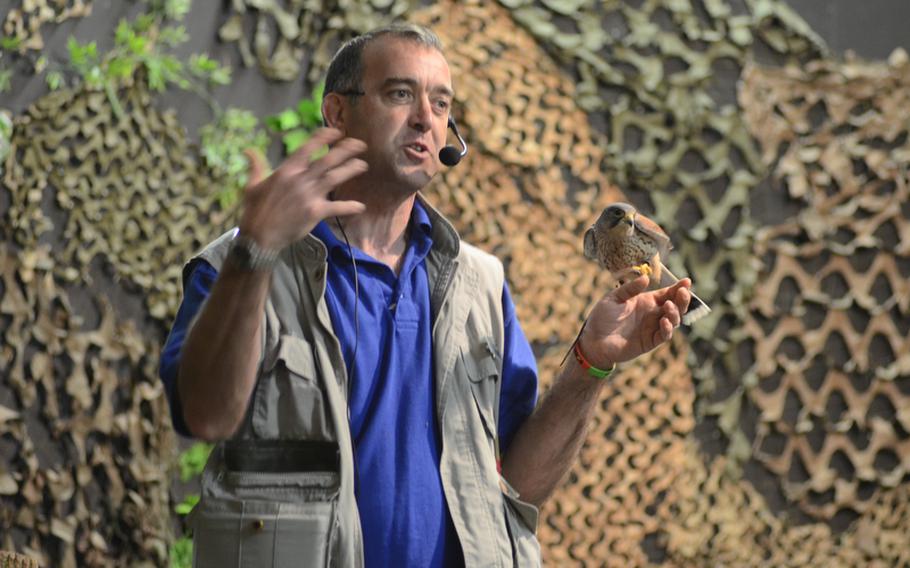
(342,172)
(257,166)
(300,159)
(671,312)
(343,208)
(664,331)
(677,293)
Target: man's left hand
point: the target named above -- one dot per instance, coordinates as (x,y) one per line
(628,321)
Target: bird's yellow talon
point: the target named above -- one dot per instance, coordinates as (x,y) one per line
(643,269)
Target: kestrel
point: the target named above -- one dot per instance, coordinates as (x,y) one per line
(628,244)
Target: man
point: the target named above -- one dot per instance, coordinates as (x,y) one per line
(373,358)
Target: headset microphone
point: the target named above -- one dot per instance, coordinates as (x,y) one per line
(450,155)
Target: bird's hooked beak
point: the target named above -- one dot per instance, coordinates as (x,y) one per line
(630,219)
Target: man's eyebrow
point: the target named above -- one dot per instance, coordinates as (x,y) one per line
(441,89)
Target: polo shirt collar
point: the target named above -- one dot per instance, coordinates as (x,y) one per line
(420,238)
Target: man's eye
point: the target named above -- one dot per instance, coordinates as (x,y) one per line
(401,94)
(442,104)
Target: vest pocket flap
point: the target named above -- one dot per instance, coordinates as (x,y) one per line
(484,365)
(482,369)
(288,488)
(486,369)
(288,401)
(297,356)
(525,511)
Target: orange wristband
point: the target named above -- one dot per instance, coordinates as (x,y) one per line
(587,366)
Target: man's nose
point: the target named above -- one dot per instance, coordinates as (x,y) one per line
(421,114)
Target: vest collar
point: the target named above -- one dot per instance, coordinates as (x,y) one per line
(446,241)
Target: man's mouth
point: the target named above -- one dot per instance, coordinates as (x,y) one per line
(417,147)
(416,151)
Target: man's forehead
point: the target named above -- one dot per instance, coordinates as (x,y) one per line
(382,60)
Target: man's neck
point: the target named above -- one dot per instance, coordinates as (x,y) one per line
(382,230)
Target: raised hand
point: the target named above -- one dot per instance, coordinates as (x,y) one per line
(286,205)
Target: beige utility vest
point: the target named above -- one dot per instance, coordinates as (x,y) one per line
(252,515)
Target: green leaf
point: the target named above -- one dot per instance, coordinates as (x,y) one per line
(10,43)
(176,9)
(123,33)
(192,460)
(121,67)
(221,76)
(6,127)
(310,113)
(54,80)
(187,505)
(95,77)
(137,45)
(155,74)
(81,56)
(171,65)
(236,119)
(144,23)
(273,123)
(182,553)
(5,79)
(288,120)
(173,35)
(294,139)
(201,64)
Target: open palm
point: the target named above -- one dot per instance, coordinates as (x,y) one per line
(628,321)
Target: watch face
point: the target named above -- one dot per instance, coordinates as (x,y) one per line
(241,253)
(247,255)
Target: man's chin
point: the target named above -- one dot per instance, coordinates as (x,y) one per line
(415,180)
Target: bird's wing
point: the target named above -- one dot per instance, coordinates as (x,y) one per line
(653,231)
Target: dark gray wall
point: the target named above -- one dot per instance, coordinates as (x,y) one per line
(871,28)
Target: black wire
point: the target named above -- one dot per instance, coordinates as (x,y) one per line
(356,341)
(356,310)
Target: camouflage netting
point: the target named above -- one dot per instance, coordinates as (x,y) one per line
(129,189)
(24,21)
(301,34)
(804,377)
(86,433)
(84,480)
(830,322)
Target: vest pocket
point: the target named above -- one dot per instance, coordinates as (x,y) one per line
(483,373)
(253,533)
(289,401)
(521,522)
(279,515)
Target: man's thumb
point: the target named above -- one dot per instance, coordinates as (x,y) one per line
(631,289)
(257,166)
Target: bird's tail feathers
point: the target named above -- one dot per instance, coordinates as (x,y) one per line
(697,310)
(697,307)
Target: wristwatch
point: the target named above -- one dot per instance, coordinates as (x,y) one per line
(248,256)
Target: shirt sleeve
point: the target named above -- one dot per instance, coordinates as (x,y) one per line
(518,394)
(196,289)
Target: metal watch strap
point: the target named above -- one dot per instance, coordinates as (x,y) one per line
(248,256)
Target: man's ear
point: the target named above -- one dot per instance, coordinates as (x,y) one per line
(333,110)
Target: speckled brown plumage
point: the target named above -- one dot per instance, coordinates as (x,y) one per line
(627,243)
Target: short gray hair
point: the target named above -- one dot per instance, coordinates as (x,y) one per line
(346,69)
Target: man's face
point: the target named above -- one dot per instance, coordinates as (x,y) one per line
(404,112)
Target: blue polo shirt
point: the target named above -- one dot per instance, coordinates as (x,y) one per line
(397,445)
